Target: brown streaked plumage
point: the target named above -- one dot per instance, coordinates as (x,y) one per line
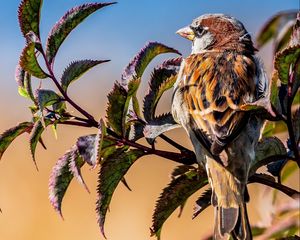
(221,74)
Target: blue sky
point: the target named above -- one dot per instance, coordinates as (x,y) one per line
(117,32)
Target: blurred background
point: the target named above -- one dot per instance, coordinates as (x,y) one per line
(117,33)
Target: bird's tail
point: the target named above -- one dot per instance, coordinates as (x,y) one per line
(228,198)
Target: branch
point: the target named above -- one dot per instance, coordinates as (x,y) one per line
(288,191)
(187,158)
(65,95)
(268,160)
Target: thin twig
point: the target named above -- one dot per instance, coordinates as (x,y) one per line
(65,95)
(288,191)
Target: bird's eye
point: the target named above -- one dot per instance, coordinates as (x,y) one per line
(198,30)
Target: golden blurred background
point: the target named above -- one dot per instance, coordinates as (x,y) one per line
(115,33)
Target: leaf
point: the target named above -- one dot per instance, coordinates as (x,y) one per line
(203,202)
(295,37)
(117,101)
(267,147)
(273,25)
(162,79)
(288,169)
(61,177)
(11,134)
(284,36)
(29,63)
(35,137)
(76,69)
(86,148)
(29,16)
(75,164)
(138,64)
(181,169)
(99,141)
(47,97)
(135,130)
(296,125)
(66,24)
(158,126)
(284,60)
(174,195)
(111,173)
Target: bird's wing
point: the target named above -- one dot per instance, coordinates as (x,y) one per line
(214,86)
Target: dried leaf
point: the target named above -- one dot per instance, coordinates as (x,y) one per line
(162,79)
(111,173)
(174,195)
(66,24)
(29,16)
(76,69)
(137,66)
(61,177)
(202,203)
(29,63)
(11,134)
(295,37)
(158,126)
(273,25)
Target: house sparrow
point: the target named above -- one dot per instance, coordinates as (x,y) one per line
(215,80)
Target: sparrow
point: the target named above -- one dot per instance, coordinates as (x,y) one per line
(220,75)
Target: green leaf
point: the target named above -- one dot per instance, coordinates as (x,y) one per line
(35,137)
(174,195)
(61,176)
(11,134)
(86,147)
(47,97)
(266,148)
(158,126)
(295,37)
(76,69)
(66,24)
(29,63)
(181,169)
(99,141)
(273,26)
(203,202)
(23,80)
(288,169)
(162,79)
(111,173)
(117,104)
(284,60)
(29,13)
(284,36)
(137,66)
(75,164)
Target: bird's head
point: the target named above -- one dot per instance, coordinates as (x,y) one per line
(217,32)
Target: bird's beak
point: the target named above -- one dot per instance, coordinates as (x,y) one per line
(187,33)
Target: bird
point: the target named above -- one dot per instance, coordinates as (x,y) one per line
(222,74)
